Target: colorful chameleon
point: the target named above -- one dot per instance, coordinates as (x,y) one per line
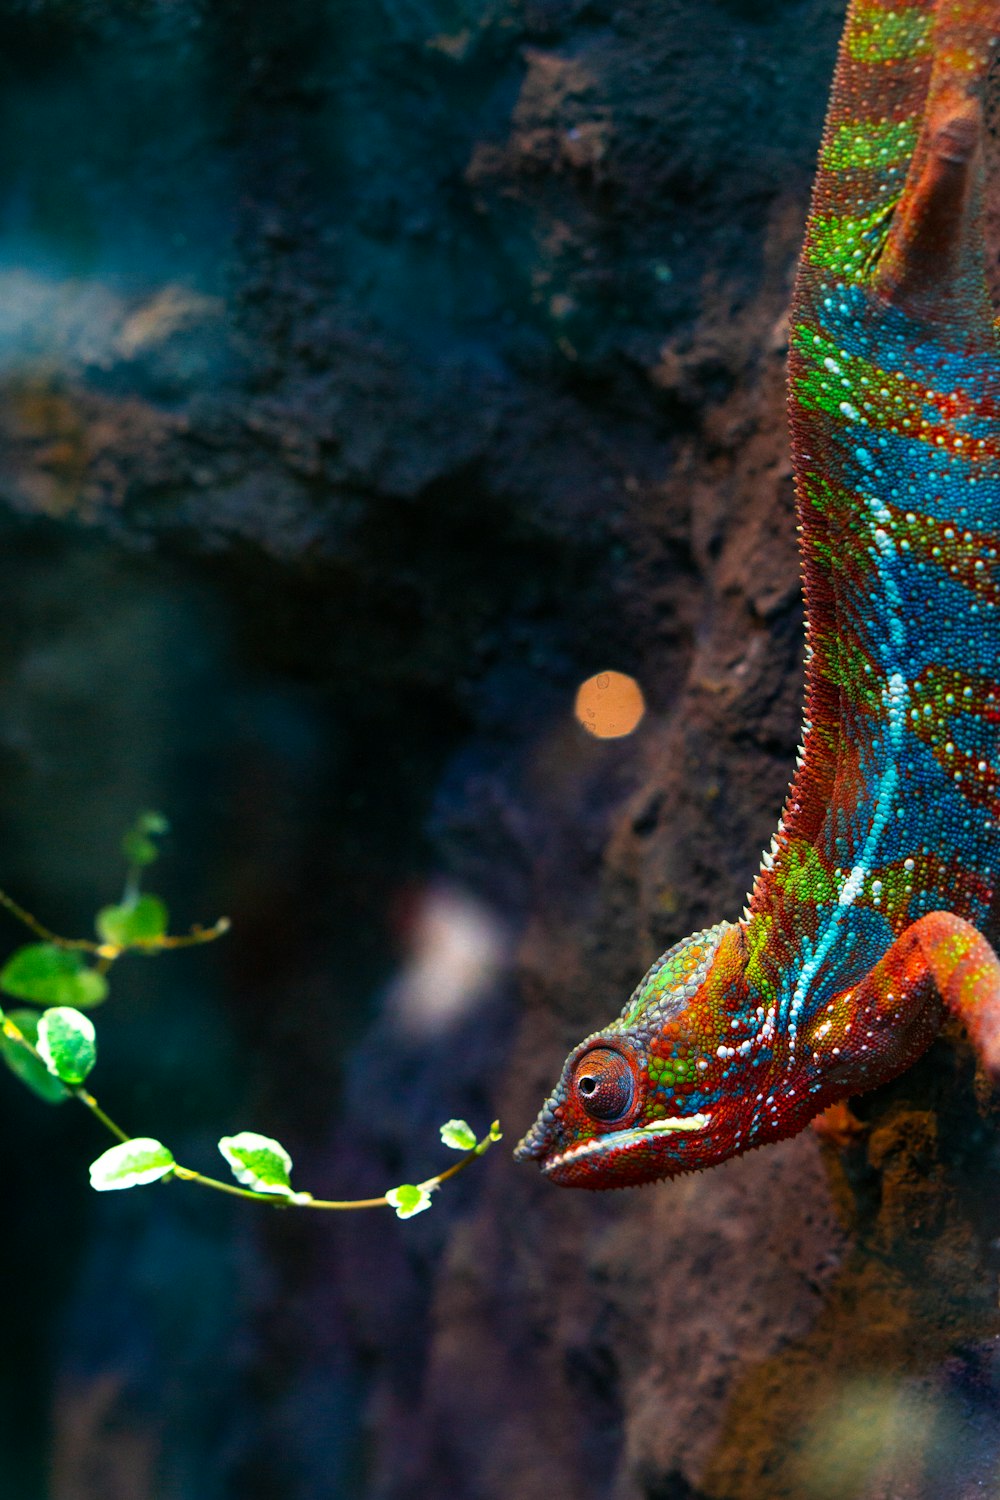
(861,930)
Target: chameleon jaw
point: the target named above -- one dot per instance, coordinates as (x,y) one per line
(623,1140)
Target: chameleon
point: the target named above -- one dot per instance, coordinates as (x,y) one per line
(864,927)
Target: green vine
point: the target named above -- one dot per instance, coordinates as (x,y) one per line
(53,1049)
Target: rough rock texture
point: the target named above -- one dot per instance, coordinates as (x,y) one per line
(370,374)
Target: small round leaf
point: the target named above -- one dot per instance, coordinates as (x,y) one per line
(138,849)
(140,921)
(408,1200)
(67,1043)
(23,1063)
(52,976)
(458,1135)
(132,1164)
(137,845)
(258,1162)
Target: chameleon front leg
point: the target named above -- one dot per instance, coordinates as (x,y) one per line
(869,1033)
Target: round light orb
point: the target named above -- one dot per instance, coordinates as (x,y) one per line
(609,705)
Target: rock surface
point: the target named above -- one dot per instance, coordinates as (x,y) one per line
(370,374)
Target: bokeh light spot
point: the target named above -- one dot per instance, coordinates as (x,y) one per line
(609,705)
(457,950)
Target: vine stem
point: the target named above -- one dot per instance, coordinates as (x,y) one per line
(339,1205)
(33,924)
(272,1200)
(106,953)
(91,1103)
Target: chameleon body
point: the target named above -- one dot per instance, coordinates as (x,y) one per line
(863,927)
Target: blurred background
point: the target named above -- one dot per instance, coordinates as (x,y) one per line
(372,373)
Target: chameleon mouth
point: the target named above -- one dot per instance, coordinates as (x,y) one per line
(623,1140)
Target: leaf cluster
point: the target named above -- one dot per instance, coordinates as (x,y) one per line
(52,1049)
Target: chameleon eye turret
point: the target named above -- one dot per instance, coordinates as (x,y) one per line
(862,929)
(604,1084)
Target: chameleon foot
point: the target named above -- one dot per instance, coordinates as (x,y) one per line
(873,1031)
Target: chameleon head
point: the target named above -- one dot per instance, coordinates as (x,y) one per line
(645,1097)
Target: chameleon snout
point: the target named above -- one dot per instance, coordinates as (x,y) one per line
(537,1143)
(539,1140)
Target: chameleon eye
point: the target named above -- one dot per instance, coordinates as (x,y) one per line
(604,1084)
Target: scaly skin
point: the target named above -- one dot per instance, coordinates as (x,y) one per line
(862,928)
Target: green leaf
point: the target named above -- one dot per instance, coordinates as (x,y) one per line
(52,976)
(137,845)
(139,850)
(258,1162)
(496,1134)
(67,1043)
(131,1164)
(24,1064)
(408,1200)
(458,1135)
(140,921)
